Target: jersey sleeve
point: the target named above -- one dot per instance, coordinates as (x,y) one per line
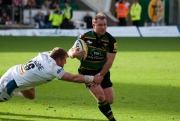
(58,72)
(82,36)
(112,45)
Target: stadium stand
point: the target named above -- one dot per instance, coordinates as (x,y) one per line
(80,7)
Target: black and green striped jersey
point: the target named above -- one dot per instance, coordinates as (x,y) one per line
(97,49)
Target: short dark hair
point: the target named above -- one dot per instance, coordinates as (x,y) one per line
(58,52)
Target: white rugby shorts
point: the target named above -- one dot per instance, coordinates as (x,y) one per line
(4,80)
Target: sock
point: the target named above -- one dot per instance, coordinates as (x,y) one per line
(105,108)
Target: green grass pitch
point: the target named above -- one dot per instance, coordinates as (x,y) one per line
(145,74)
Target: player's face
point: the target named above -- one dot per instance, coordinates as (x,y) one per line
(100,27)
(60,62)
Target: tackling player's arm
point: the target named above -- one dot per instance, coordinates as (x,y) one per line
(78,78)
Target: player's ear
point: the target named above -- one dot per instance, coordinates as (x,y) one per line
(58,60)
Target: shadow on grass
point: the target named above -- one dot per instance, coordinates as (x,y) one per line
(153,98)
(144,98)
(41,117)
(128,96)
(39,44)
(8,119)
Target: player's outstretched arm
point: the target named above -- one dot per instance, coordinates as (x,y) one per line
(78,78)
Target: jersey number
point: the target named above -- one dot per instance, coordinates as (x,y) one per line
(29,65)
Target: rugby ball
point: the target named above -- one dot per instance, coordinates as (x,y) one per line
(82,46)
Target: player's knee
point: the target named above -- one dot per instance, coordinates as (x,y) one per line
(29,94)
(4,97)
(110,101)
(100,97)
(31,97)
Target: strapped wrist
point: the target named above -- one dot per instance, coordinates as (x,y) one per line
(88,79)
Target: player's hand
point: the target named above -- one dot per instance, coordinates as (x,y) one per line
(78,54)
(98,79)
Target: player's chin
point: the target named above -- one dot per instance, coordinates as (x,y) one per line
(102,32)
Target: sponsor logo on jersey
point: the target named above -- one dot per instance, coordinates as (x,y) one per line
(115,47)
(105,44)
(89,42)
(38,65)
(96,55)
(59,70)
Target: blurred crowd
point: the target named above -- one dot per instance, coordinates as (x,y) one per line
(11,11)
(51,13)
(55,16)
(123,9)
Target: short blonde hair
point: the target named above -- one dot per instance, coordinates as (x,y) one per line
(98,16)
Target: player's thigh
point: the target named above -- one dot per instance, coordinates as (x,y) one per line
(30,93)
(109,94)
(97,92)
(6,79)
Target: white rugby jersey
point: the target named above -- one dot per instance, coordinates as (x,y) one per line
(39,70)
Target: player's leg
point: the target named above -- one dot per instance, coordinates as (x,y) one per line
(109,94)
(4,96)
(98,93)
(30,93)
(7,85)
(103,105)
(106,84)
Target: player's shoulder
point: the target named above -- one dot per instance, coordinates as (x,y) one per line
(82,36)
(110,37)
(45,59)
(42,55)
